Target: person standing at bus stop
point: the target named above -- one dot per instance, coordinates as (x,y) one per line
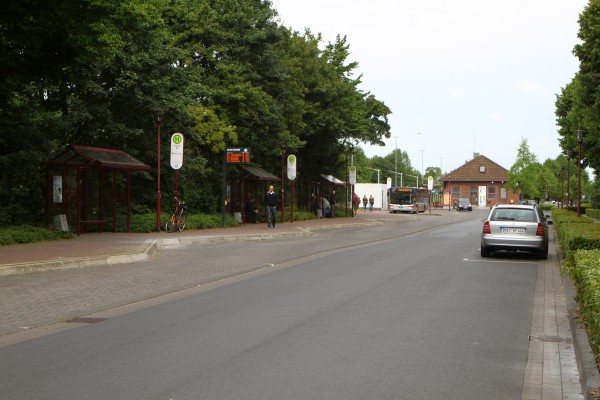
(365,201)
(271,204)
(371,202)
(332,203)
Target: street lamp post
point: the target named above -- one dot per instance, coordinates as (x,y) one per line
(375,169)
(347,179)
(282,183)
(397,173)
(569,155)
(158,120)
(396,163)
(579,142)
(560,178)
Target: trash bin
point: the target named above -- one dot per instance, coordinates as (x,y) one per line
(238,217)
(60,223)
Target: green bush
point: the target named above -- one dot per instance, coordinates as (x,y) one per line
(593,213)
(585,272)
(30,234)
(575,233)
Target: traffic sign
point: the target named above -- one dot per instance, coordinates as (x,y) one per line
(352,177)
(176,150)
(291,167)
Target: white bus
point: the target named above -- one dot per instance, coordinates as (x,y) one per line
(408,199)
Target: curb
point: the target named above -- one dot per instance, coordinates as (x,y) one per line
(589,376)
(80,262)
(586,363)
(155,246)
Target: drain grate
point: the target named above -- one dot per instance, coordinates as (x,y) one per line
(86,320)
(550,339)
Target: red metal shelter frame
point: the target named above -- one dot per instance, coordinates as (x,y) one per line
(83,159)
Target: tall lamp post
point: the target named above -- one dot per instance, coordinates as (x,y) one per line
(378,171)
(347,179)
(158,120)
(560,178)
(569,154)
(396,163)
(579,142)
(282,183)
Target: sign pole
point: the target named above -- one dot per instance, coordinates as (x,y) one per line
(291,174)
(224,190)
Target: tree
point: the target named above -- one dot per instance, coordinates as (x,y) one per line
(524,173)
(578,105)
(99,72)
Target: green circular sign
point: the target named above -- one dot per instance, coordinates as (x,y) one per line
(177,138)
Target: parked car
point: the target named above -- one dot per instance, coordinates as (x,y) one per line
(515,228)
(464,204)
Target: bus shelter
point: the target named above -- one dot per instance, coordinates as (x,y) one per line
(84,183)
(323,187)
(248,188)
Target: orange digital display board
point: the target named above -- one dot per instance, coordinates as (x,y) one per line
(238,156)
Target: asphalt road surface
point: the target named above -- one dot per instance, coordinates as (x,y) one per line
(375,313)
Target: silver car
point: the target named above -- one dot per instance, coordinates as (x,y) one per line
(515,228)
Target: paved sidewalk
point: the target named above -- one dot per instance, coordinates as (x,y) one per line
(555,363)
(119,248)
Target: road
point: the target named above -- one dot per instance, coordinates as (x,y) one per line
(394,311)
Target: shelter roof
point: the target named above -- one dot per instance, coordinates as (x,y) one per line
(84,156)
(332,180)
(259,174)
(479,169)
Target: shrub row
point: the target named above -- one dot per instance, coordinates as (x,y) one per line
(139,223)
(593,213)
(575,233)
(586,275)
(30,234)
(579,240)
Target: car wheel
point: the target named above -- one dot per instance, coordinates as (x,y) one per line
(485,251)
(543,255)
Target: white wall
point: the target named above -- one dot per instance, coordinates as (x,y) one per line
(378,190)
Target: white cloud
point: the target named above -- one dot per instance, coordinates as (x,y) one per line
(496,117)
(455,93)
(529,87)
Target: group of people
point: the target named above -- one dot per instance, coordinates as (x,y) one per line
(324,207)
(356,203)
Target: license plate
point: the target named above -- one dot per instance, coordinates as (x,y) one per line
(513,230)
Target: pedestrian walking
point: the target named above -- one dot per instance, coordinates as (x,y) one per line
(355,204)
(271,204)
(371,202)
(365,201)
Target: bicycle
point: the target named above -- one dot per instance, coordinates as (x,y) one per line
(177,220)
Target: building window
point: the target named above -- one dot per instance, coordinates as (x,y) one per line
(455,192)
(491,192)
(482,168)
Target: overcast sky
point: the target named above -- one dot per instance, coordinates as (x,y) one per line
(460,76)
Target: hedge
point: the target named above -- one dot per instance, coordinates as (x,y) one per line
(586,276)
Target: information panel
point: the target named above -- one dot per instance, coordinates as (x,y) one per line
(238,156)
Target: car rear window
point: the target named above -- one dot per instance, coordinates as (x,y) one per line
(513,214)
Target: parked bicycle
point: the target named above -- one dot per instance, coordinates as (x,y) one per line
(176,221)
